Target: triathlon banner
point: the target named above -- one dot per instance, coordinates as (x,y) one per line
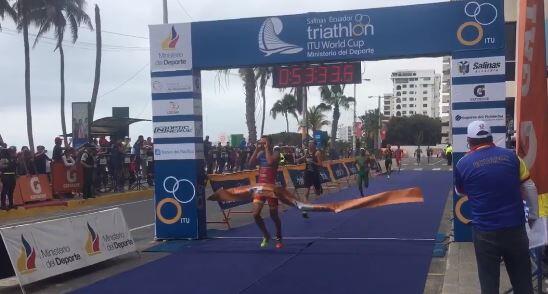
(532,107)
(532,100)
(41,250)
(338,169)
(227,182)
(351,166)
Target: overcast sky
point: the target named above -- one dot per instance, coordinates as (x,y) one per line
(125,77)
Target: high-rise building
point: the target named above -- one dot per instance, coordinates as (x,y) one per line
(414,92)
(446,126)
(344,133)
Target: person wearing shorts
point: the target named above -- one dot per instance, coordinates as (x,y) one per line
(388,154)
(399,154)
(268,160)
(363,161)
(313,161)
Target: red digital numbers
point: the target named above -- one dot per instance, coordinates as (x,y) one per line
(317,75)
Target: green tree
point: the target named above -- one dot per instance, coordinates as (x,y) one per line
(370,123)
(334,97)
(285,106)
(316,118)
(5,8)
(414,130)
(56,15)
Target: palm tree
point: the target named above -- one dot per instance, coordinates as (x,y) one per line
(56,14)
(5,8)
(99,42)
(285,106)
(250,86)
(316,118)
(24,8)
(263,74)
(334,97)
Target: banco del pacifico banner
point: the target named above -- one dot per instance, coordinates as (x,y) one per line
(41,250)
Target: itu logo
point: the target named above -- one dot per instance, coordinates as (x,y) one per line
(170,43)
(270,43)
(464,67)
(26,262)
(483,14)
(92,243)
(458,117)
(173,186)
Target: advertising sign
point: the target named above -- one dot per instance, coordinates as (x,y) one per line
(172,48)
(33,188)
(349,35)
(41,250)
(81,123)
(480,66)
(176,107)
(65,179)
(184,151)
(177,129)
(494,117)
(482,92)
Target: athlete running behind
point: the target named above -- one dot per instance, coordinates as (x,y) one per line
(313,161)
(364,161)
(388,154)
(268,167)
(399,154)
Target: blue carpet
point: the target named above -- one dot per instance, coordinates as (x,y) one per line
(314,265)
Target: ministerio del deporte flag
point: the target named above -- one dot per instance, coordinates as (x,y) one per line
(532,106)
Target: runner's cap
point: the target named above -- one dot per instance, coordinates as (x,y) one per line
(478,130)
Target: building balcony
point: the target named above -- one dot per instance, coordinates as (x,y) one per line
(447,60)
(446,68)
(446,89)
(446,99)
(445,109)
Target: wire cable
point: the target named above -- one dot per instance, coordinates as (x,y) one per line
(123,83)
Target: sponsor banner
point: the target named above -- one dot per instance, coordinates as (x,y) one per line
(460,143)
(349,35)
(176,107)
(178,151)
(494,117)
(33,188)
(41,250)
(324,174)
(297,177)
(481,66)
(280,179)
(180,199)
(351,166)
(531,99)
(170,47)
(339,171)
(177,129)
(81,121)
(176,84)
(233,183)
(478,92)
(66,180)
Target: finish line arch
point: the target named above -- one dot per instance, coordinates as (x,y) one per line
(472,32)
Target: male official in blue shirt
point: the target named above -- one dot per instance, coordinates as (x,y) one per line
(496,182)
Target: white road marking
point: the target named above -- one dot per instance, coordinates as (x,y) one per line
(437,168)
(418,168)
(141,227)
(327,238)
(437,162)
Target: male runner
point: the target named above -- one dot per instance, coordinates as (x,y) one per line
(363,160)
(399,154)
(388,160)
(268,167)
(313,160)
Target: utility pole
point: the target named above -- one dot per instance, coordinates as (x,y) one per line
(354,139)
(165,12)
(380,123)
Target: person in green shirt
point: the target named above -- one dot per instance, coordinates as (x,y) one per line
(363,160)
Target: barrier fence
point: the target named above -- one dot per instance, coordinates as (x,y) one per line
(291,176)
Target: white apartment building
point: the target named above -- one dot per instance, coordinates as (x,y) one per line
(344,133)
(414,92)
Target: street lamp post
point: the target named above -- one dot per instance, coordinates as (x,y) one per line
(379,143)
(354,139)
(165,11)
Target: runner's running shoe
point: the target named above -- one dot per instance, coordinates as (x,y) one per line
(279,244)
(264,243)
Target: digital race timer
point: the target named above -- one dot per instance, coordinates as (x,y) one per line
(317,75)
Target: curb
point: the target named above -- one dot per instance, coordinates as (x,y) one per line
(75,204)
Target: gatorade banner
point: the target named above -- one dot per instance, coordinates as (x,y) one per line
(66,179)
(32,188)
(41,250)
